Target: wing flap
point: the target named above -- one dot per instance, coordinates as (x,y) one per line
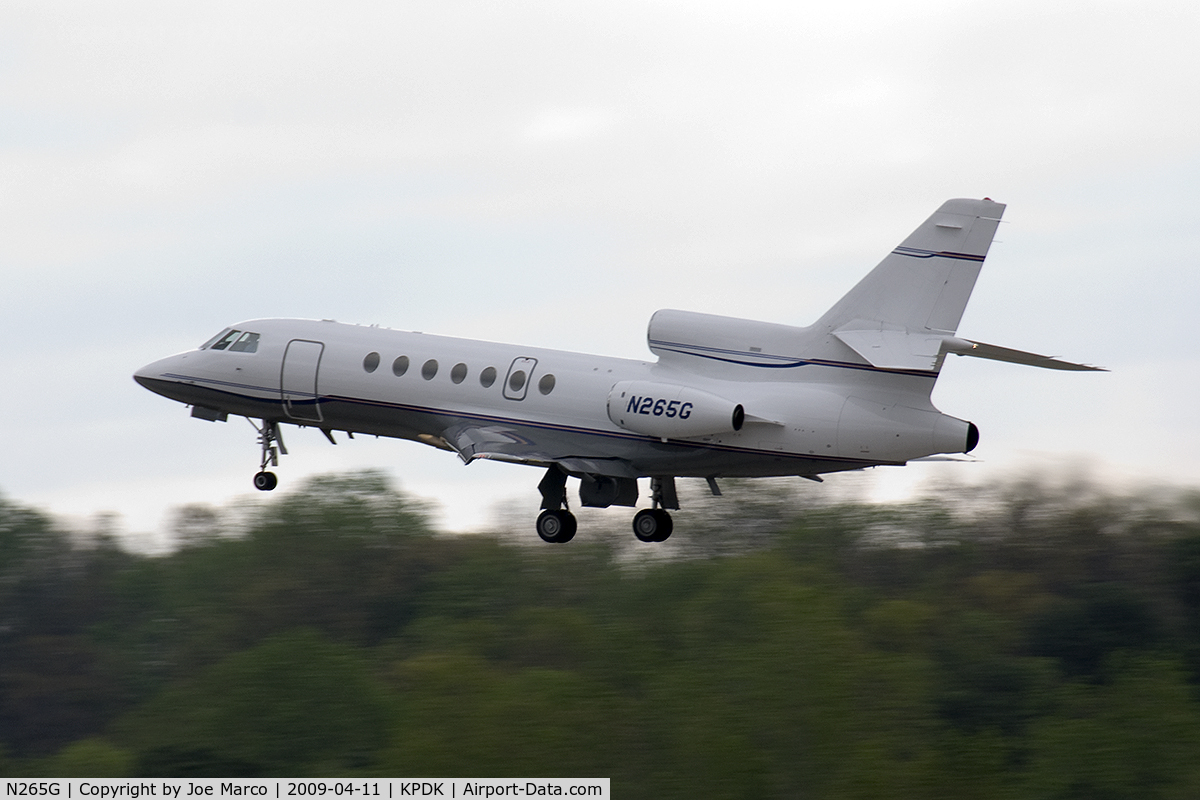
(504,443)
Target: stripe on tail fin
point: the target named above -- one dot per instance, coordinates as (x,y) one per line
(901,318)
(923,285)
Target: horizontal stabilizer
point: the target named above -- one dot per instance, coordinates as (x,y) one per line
(966,347)
(894,349)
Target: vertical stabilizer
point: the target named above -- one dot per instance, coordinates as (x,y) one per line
(923,285)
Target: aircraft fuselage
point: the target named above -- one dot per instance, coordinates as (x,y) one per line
(536,405)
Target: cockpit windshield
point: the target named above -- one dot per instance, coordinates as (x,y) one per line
(233,340)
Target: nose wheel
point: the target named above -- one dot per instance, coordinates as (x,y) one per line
(265,481)
(271,442)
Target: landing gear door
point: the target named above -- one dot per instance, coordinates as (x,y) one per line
(516,383)
(298,380)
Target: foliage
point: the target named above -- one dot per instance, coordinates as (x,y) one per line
(320,694)
(1023,642)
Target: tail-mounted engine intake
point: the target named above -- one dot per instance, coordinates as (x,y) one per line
(669,411)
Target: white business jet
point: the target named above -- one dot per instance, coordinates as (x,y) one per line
(726,397)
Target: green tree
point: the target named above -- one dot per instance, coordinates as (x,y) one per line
(90,758)
(296,704)
(1137,735)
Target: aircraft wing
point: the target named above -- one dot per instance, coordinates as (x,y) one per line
(507,443)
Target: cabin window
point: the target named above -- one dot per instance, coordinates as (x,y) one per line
(546,384)
(459,373)
(487,377)
(429,369)
(371,362)
(516,381)
(400,366)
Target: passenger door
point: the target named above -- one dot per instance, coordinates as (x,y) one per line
(298,380)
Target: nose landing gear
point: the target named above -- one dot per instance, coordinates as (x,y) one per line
(271,442)
(265,481)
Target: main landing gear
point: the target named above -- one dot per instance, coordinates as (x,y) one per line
(654,524)
(271,442)
(557,525)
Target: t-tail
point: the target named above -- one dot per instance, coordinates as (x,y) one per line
(902,317)
(904,314)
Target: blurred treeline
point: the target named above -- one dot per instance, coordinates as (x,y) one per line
(1020,642)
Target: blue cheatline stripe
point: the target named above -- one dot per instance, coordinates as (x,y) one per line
(273,390)
(637,437)
(790,362)
(549,426)
(916,252)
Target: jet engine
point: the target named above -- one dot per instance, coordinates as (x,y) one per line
(953,435)
(670,411)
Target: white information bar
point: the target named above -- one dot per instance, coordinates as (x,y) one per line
(299,788)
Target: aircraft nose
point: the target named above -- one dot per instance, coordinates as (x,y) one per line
(148,374)
(142,375)
(152,375)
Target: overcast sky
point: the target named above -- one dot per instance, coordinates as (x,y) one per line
(551,174)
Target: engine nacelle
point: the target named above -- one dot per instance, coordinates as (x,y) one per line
(670,411)
(953,435)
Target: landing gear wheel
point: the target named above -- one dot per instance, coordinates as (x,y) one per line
(652,525)
(271,442)
(265,481)
(556,526)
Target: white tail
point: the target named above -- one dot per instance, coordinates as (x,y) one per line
(902,317)
(904,313)
(924,284)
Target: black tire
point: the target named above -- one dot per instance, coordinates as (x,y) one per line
(556,526)
(645,525)
(665,525)
(265,481)
(569,529)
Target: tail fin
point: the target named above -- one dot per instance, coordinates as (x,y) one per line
(902,316)
(924,284)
